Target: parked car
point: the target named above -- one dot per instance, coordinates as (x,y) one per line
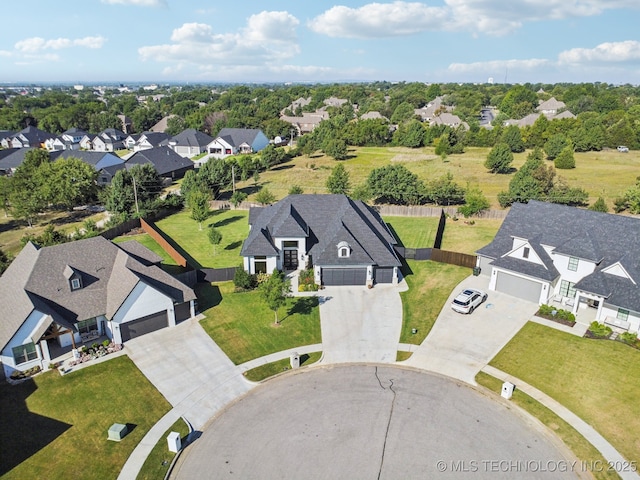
(468,300)
(623,149)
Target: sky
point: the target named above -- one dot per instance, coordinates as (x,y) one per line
(205,41)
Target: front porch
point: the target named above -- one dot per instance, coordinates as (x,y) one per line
(59,354)
(586,309)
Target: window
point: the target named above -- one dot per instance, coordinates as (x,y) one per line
(75,283)
(623,315)
(24,353)
(567,289)
(573,264)
(344,252)
(86,326)
(290,243)
(525,252)
(260,264)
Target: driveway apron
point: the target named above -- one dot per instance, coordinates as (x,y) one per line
(360,324)
(459,346)
(189,369)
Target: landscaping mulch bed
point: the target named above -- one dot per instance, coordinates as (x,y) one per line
(562,321)
(590,334)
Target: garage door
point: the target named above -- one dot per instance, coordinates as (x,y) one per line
(182,311)
(383,275)
(344,276)
(519,287)
(143,325)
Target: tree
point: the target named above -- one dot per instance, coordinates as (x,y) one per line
(338,181)
(512,137)
(175,125)
(237,198)
(336,148)
(199,202)
(29,187)
(5,193)
(216,175)
(274,292)
(265,197)
(534,180)
(565,159)
(565,195)
(215,237)
(499,159)
(4,262)
(444,191)
(555,145)
(474,203)
(296,190)
(402,113)
(410,134)
(599,206)
(72,182)
(396,184)
(361,192)
(133,192)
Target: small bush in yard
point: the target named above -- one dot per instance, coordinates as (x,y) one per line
(630,338)
(599,330)
(243,280)
(545,310)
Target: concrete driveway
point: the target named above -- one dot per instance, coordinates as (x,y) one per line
(360,324)
(189,369)
(459,346)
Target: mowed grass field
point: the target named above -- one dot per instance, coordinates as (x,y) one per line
(607,173)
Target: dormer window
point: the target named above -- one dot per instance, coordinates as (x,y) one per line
(75,284)
(525,252)
(344,250)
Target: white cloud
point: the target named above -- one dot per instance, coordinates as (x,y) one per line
(491,17)
(498,66)
(38,44)
(140,3)
(611,52)
(268,37)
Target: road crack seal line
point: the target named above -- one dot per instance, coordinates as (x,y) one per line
(386,434)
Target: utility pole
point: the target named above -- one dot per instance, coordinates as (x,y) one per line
(135,194)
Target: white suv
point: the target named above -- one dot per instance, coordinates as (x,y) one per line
(623,149)
(468,300)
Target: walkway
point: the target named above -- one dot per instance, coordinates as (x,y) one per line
(361,324)
(459,346)
(586,430)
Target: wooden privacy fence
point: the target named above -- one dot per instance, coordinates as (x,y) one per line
(209,275)
(453,258)
(153,232)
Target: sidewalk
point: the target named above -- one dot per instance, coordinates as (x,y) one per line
(587,431)
(274,357)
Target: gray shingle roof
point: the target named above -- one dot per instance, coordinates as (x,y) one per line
(329,219)
(598,237)
(36,279)
(13,157)
(191,138)
(237,136)
(164,159)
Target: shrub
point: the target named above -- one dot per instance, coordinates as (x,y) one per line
(262,277)
(243,280)
(545,309)
(306,277)
(105,343)
(600,330)
(629,338)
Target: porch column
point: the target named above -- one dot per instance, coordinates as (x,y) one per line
(395,278)
(192,308)
(44,348)
(600,307)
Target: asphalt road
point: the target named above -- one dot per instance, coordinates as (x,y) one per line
(371,422)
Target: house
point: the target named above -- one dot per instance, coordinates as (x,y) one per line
(65,295)
(68,140)
(584,261)
(551,107)
(86,143)
(232,141)
(126,123)
(162,125)
(345,241)
(131,140)
(109,140)
(105,163)
(12,158)
(307,122)
(29,137)
(373,115)
(190,142)
(167,163)
(5,138)
(147,140)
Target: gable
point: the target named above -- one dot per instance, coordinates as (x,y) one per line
(618,270)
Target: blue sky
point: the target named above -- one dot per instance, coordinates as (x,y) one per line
(89,41)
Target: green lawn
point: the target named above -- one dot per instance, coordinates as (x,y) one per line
(57,426)
(607,173)
(150,243)
(598,380)
(184,231)
(581,448)
(466,238)
(242,325)
(159,460)
(270,369)
(430,284)
(414,232)
(12,230)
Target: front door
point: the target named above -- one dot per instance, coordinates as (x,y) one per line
(291,259)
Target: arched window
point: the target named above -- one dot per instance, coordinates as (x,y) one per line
(344,250)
